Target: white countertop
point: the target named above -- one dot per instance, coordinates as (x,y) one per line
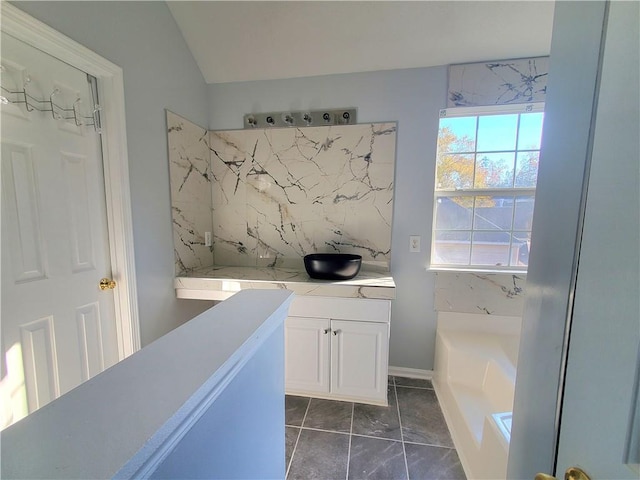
(220,282)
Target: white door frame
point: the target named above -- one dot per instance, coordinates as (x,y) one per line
(114,151)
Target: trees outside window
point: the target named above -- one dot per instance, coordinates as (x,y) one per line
(486,173)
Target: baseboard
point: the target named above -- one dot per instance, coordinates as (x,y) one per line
(411,372)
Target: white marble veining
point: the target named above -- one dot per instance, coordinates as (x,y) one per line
(501,82)
(279,194)
(190,176)
(482,293)
(232,279)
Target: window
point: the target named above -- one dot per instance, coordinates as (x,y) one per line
(486,173)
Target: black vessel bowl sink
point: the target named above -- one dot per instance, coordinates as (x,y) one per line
(332,266)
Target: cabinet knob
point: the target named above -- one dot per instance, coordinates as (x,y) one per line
(336,332)
(326,330)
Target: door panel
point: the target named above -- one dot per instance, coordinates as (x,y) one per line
(21,208)
(90,340)
(58,328)
(602,365)
(40,365)
(78,211)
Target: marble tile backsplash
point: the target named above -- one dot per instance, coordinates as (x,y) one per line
(190,177)
(481,293)
(502,82)
(279,194)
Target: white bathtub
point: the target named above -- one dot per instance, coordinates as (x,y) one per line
(474,379)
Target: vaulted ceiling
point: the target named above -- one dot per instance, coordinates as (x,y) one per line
(259,40)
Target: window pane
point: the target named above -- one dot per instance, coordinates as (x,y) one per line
(524,213)
(494,170)
(454,213)
(452,248)
(520,248)
(490,248)
(493,213)
(487,162)
(457,134)
(530,133)
(455,171)
(527,169)
(497,132)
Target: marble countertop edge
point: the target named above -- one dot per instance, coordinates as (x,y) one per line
(366,284)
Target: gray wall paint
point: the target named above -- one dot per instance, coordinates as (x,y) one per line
(411,97)
(575,50)
(159,73)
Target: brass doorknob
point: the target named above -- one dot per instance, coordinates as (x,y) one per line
(572,473)
(107,284)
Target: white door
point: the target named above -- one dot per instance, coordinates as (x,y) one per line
(307,355)
(600,422)
(359,359)
(58,327)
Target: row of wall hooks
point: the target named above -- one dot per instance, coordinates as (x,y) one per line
(307,118)
(64,113)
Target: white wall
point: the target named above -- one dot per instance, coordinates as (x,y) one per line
(411,97)
(159,73)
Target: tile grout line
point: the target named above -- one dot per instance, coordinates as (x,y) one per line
(404,450)
(431,445)
(295,447)
(377,438)
(353,407)
(313,429)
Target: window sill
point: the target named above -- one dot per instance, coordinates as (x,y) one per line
(486,271)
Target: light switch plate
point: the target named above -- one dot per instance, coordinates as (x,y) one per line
(414,243)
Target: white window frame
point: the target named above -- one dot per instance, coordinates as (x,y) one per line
(474,192)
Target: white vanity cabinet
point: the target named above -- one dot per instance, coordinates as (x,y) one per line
(338,348)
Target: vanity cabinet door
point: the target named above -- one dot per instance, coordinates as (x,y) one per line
(307,355)
(359,352)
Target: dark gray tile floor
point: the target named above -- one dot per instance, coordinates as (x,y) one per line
(409,439)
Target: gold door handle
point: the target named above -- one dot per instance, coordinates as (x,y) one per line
(572,473)
(107,284)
